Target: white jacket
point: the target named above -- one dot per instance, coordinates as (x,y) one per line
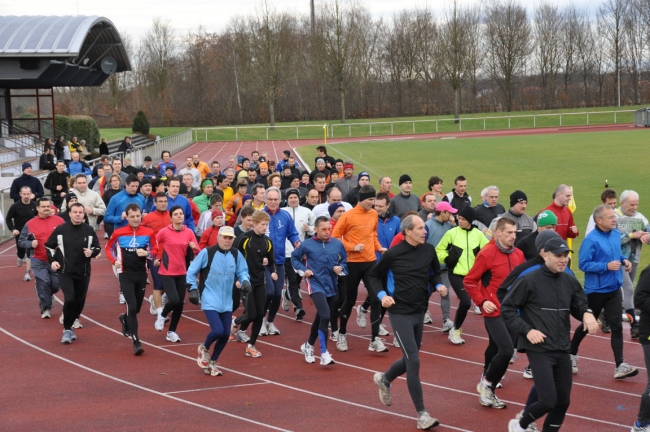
(91,199)
(301,215)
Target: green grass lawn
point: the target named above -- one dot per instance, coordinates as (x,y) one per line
(112,134)
(535,164)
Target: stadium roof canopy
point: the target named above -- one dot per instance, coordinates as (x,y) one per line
(59,51)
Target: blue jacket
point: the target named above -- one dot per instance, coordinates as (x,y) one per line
(117,205)
(596,250)
(386,231)
(79,168)
(181,201)
(320,257)
(281,228)
(224,270)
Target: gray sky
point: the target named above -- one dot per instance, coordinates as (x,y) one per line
(133,17)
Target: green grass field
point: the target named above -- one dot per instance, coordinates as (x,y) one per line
(399,126)
(535,164)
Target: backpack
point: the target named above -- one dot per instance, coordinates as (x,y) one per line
(203,274)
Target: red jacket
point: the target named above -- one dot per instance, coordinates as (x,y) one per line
(157,220)
(41,228)
(196,213)
(209,237)
(564,220)
(491,266)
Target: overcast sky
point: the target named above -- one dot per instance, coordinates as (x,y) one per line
(133,17)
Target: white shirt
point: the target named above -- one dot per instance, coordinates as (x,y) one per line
(322,209)
(196,176)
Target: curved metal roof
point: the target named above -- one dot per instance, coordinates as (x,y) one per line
(76,42)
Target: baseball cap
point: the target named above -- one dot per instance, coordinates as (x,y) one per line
(556,246)
(546,218)
(445,206)
(227,231)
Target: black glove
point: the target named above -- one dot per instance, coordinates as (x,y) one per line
(246,288)
(194,297)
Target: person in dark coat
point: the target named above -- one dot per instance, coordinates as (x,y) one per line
(26,180)
(103,147)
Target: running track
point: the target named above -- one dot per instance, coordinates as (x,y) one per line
(96,383)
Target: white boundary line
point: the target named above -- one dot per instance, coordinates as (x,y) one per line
(215,388)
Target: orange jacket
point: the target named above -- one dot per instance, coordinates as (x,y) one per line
(203,168)
(156,220)
(233,205)
(358,226)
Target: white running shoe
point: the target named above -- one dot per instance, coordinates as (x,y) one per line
(308,351)
(122,299)
(334,336)
(574,364)
(264,331)
(160,323)
(396,343)
(164,300)
(286,301)
(152,306)
(427,318)
(61,319)
(173,337)
(377,345)
(454,336)
(326,359)
(203,360)
(342,342)
(384,390)
(447,325)
(528,372)
(362,321)
(272,329)
(46,314)
(20,262)
(476,310)
(76,324)
(242,336)
(382,330)
(27,277)
(625,370)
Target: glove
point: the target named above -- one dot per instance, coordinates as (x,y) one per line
(194,297)
(246,288)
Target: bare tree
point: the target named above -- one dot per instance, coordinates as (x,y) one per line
(548,43)
(158,50)
(368,49)
(635,42)
(584,47)
(601,59)
(475,49)
(508,43)
(611,16)
(570,28)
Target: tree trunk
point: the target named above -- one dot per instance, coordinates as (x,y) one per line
(272,113)
(241,112)
(342,92)
(456,107)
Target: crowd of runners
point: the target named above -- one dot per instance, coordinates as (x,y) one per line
(260,234)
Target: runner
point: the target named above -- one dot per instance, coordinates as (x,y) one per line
(128,250)
(18,215)
(70,248)
(156,221)
(220,268)
(173,257)
(641,301)
(320,260)
(402,279)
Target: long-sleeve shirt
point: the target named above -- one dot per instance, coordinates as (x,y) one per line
(320,257)
(596,250)
(157,220)
(358,226)
(117,206)
(564,220)
(19,214)
(124,243)
(184,203)
(173,250)
(39,229)
(254,248)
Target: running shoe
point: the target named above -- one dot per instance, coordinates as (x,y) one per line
(272,329)
(382,330)
(76,324)
(342,342)
(454,336)
(213,369)
(447,325)
(61,319)
(574,364)
(513,426)
(377,345)
(122,299)
(20,262)
(427,318)
(487,397)
(531,427)
(300,314)
(334,336)
(203,360)
(528,372)
(67,337)
(640,427)
(286,301)
(396,342)
(476,310)
(164,300)
(74,336)
(426,422)
(604,325)
(125,326)
(160,323)
(105,236)
(384,390)
(514,356)
(148,281)
(27,276)
(624,370)
(152,306)
(264,331)
(308,351)
(242,336)
(251,351)
(137,348)
(326,359)
(634,330)
(46,314)
(173,337)
(361,316)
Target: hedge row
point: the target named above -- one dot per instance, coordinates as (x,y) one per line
(83,127)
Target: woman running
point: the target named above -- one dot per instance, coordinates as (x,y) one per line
(458,249)
(176,248)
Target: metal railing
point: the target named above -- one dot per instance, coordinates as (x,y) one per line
(23,138)
(403,127)
(173,144)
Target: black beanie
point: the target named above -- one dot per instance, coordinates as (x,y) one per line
(404,178)
(517,196)
(468,213)
(292,191)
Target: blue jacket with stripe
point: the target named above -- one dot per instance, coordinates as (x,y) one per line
(596,250)
(320,257)
(117,205)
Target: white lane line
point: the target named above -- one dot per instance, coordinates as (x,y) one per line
(215,388)
(137,386)
(9,248)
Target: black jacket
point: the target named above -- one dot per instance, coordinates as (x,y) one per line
(19,214)
(103,149)
(352,197)
(66,246)
(255,248)
(55,179)
(505,286)
(642,302)
(543,300)
(458,202)
(485,215)
(409,274)
(46,162)
(527,245)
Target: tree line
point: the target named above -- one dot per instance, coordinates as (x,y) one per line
(273,66)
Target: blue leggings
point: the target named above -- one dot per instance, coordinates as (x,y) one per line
(219,331)
(274,291)
(324,306)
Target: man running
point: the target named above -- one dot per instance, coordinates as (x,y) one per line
(18,215)
(402,280)
(320,260)
(156,221)
(70,248)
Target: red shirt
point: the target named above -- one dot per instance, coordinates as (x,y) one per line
(42,228)
(172,250)
(399,238)
(564,220)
